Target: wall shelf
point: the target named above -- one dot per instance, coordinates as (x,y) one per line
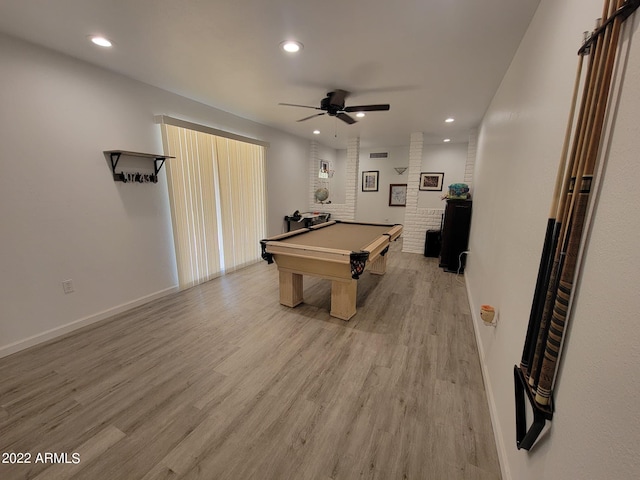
(158,162)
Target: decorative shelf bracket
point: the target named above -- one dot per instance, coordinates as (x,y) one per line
(158,162)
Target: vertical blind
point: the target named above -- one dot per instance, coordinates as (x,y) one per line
(218,202)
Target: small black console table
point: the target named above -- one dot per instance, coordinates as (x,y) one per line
(305,220)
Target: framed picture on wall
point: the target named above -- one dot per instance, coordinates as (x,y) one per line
(324,169)
(370,181)
(398,195)
(431,181)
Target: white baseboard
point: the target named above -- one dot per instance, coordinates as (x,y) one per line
(493,411)
(6,350)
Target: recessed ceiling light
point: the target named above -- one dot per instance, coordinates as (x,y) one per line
(450,120)
(360,114)
(316,132)
(446,140)
(101,41)
(291,46)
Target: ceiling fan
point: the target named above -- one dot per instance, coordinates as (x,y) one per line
(333,105)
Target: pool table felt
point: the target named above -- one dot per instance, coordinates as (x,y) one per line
(340,236)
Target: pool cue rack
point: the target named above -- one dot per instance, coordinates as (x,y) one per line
(535,377)
(525,438)
(158,162)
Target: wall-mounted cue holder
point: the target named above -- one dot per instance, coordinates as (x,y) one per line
(526,436)
(137,177)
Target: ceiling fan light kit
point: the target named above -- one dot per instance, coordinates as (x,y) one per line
(334,105)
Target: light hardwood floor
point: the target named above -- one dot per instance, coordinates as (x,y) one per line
(222,382)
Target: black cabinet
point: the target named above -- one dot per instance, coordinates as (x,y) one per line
(455,235)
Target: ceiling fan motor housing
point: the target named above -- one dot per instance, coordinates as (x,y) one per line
(332,108)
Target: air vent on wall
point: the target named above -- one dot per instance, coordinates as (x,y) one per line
(379,155)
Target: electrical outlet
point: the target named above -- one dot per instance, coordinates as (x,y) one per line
(67,286)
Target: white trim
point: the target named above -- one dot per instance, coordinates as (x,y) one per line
(493,411)
(82,322)
(176,122)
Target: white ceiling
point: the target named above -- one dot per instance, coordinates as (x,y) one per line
(429,59)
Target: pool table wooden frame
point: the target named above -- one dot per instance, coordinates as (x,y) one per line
(310,252)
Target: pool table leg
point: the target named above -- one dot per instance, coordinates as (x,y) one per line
(290,289)
(379,265)
(343,299)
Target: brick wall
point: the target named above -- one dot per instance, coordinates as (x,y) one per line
(338,211)
(416,220)
(471,158)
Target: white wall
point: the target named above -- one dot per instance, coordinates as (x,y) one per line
(62,215)
(374,206)
(287,162)
(596,428)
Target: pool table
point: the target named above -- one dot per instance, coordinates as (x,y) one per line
(338,250)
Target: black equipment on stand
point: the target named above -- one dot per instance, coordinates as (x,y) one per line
(433,242)
(299,220)
(455,235)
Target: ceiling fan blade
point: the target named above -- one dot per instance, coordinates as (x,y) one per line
(310,117)
(346,118)
(368,108)
(295,105)
(337,97)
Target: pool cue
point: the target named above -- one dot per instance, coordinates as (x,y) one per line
(556,259)
(580,204)
(624,11)
(551,235)
(566,205)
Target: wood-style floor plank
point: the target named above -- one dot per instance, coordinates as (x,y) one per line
(221,381)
